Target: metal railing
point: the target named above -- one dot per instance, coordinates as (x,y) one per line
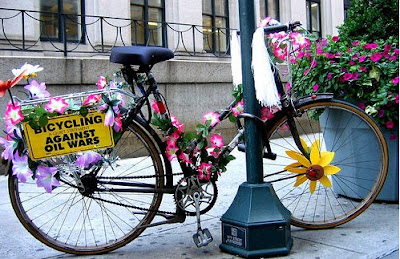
(71,34)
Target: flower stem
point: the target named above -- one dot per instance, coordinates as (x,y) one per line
(11,97)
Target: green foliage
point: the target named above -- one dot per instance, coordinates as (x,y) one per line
(371,20)
(364,73)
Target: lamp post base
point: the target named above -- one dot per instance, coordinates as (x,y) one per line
(256,224)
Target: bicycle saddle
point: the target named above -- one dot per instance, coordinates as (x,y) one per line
(140,55)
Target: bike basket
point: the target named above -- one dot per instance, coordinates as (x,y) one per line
(72,132)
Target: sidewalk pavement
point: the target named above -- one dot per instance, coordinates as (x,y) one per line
(374,234)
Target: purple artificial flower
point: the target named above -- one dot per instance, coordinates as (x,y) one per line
(109,118)
(37,90)
(45,177)
(87,159)
(21,168)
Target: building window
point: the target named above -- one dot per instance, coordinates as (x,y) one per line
(215,25)
(148,22)
(62,20)
(269,8)
(347,5)
(314,17)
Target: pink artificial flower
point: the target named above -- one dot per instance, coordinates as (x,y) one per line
(376,57)
(315,87)
(204,171)
(56,104)
(92,99)
(46,177)
(362,58)
(335,38)
(171,140)
(395,80)
(101,82)
(155,107)
(370,46)
(217,141)
(238,108)
(21,168)
(176,124)
(362,106)
(215,153)
(117,124)
(184,158)
(37,90)
(212,117)
(88,159)
(9,148)
(13,131)
(266,113)
(13,113)
(109,118)
(171,151)
(389,124)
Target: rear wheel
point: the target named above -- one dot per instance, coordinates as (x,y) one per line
(103,217)
(344,170)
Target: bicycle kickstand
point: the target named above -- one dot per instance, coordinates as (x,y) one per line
(203,236)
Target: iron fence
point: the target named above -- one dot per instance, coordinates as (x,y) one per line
(72,34)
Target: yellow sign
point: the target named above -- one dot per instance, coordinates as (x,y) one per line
(68,134)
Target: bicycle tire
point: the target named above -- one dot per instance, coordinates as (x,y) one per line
(71,222)
(360,152)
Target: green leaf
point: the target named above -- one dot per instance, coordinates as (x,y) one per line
(33,124)
(83,111)
(374,73)
(43,120)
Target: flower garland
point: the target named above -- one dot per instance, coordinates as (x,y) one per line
(37,115)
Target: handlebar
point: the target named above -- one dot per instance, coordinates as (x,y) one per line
(281,27)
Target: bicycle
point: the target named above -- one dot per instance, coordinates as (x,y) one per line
(104,206)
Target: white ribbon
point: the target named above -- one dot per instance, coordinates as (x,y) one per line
(236,60)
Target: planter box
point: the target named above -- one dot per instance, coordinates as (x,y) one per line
(358,151)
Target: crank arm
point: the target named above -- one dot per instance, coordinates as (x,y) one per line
(170,219)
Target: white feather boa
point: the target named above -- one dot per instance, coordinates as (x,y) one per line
(236,60)
(264,82)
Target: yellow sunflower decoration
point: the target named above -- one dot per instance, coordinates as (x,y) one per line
(315,169)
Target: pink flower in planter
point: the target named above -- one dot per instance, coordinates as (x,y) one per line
(212,117)
(335,38)
(376,57)
(21,168)
(56,104)
(37,90)
(389,124)
(313,63)
(356,43)
(362,58)
(395,80)
(13,113)
(396,99)
(362,106)
(45,177)
(370,46)
(347,76)
(315,87)
(217,141)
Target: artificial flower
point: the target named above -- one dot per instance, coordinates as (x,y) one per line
(13,113)
(9,148)
(266,113)
(45,177)
(171,151)
(109,118)
(4,86)
(117,127)
(238,108)
(37,90)
(315,169)
(88,159)
(92,99)
(27,70)
(176,124)
(21,168)
(184,158)
(217,141)
(56,104)
(204,171)
(101,82)
(212,117)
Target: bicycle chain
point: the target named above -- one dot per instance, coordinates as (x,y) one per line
(132,206)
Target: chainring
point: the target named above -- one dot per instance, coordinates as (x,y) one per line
(185,189)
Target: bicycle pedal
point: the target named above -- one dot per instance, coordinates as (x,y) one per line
(202,238)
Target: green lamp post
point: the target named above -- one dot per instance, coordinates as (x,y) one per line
(256,224)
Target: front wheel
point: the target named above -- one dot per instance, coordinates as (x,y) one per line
(342,172)
(106,215)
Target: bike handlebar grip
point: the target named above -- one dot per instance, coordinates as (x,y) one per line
(276,28)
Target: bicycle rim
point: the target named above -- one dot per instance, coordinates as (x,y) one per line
(359,151)
(74,223)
